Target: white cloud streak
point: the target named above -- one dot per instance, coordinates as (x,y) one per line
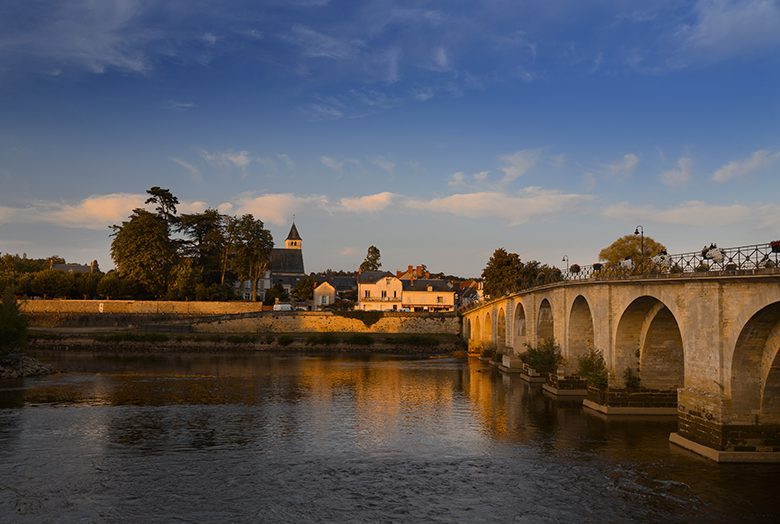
(519,163)
(680,176)
(757,161)
(367,204)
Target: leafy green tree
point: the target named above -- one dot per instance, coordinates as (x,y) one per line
(371,263)
(205,242)
(13,325)
(592,367)
(185,277)
(251,249)
(87,284)
(304,289)
(629,246)
(277,292)
(503,273)
(166,203)
(143,251)
(53,284)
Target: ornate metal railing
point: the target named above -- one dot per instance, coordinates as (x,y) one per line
(730,260)
(743,258)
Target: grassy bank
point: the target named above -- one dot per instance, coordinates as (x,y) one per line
(136,340)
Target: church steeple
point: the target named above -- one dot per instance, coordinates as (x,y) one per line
(293,240)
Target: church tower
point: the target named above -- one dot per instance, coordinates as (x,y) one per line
(293,240)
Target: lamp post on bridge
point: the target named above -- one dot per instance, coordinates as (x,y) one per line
(639,230)
(566,259)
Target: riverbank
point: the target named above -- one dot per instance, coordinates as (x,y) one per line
(19,366)
(139,341)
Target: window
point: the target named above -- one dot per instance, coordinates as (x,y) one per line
(384,294)
(395,294)
(323,299)
(440,300)
(368,293)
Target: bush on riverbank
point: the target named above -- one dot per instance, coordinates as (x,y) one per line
(544,358)
(592,367)
(13,325)
(369,318)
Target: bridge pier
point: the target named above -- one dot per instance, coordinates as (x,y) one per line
(713,338)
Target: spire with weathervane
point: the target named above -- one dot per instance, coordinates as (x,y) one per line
(293,240)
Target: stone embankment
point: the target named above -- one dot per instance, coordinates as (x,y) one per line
(18,366)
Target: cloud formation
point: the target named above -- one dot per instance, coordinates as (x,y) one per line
(519,163)
(691,213)
(757,161)
(367,204)
(278,208)
(680,176)
(624,167)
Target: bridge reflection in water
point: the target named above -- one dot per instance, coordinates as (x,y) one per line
(302,438)
(714,337)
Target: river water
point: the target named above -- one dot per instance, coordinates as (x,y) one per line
(291,438)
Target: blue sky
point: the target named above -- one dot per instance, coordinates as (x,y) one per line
(435,130)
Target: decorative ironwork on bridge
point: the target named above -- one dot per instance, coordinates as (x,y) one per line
(709,259)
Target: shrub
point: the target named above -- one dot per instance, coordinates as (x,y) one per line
(369,318)
(632,379)
(269,338)
(359,339)
(324,339)
(488,350)
(133,337)
(285,340)
(13,325)
(593,369)
(702,268)
(544,358)
(241,339)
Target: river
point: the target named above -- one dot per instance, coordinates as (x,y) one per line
(300,438)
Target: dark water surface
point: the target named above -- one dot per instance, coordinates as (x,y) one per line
(288,438)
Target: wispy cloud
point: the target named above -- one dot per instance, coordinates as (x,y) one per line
(624,167)
(236,159)
(332,164)
(515,209)
(179,105)
(726,28)
(691,213)
(368,203)
(679,176)
(757,161)
(384,164)
(278,208)
(194,172)
(314,44)
(519,163)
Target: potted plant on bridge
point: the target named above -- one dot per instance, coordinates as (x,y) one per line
(574,268)
(597,266)
(775,245)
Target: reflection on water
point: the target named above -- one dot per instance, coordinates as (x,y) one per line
(306,438)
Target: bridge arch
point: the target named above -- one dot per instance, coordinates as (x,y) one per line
(501,328)
(467,328)
(476,334)
(755,369)
(545,325)
(580,332)
(487,328)
(649,340)
(520,336)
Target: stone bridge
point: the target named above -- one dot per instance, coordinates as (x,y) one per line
(714,337)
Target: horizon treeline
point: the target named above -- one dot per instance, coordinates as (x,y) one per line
(158,255)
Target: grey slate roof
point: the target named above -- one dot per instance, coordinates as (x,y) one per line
(421,284)
(370,277)
(341,283)
(294,233)
(286,261)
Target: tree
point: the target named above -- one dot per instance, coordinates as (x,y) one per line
(503,273)
(252,246)
(304,289)
(205,243)
(143,251)
(629,246)
(13,326)
(166,203)
(371,263)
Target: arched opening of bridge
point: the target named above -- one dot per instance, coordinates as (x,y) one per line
(580,335)
(501,329)
(467,329)
(545,326)
(755,369)
(649,341)
(519,324)
(476,333)
(487,335)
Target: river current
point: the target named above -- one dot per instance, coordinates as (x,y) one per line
(292,438)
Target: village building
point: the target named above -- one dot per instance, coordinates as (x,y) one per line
(332,287)
(383,291)
(286,267)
